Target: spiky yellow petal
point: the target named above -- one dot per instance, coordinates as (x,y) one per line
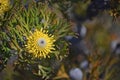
(4,6)
(40,44)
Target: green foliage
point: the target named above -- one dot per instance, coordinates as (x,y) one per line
(24,21)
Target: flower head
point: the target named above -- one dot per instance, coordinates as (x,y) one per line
(4,6)
(40,43)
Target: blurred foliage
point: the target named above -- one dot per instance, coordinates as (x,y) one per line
(102,60)
(115,8)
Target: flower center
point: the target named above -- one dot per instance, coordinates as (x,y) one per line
(42,42)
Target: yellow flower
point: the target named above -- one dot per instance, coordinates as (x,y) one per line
(4,6)
(40,44)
